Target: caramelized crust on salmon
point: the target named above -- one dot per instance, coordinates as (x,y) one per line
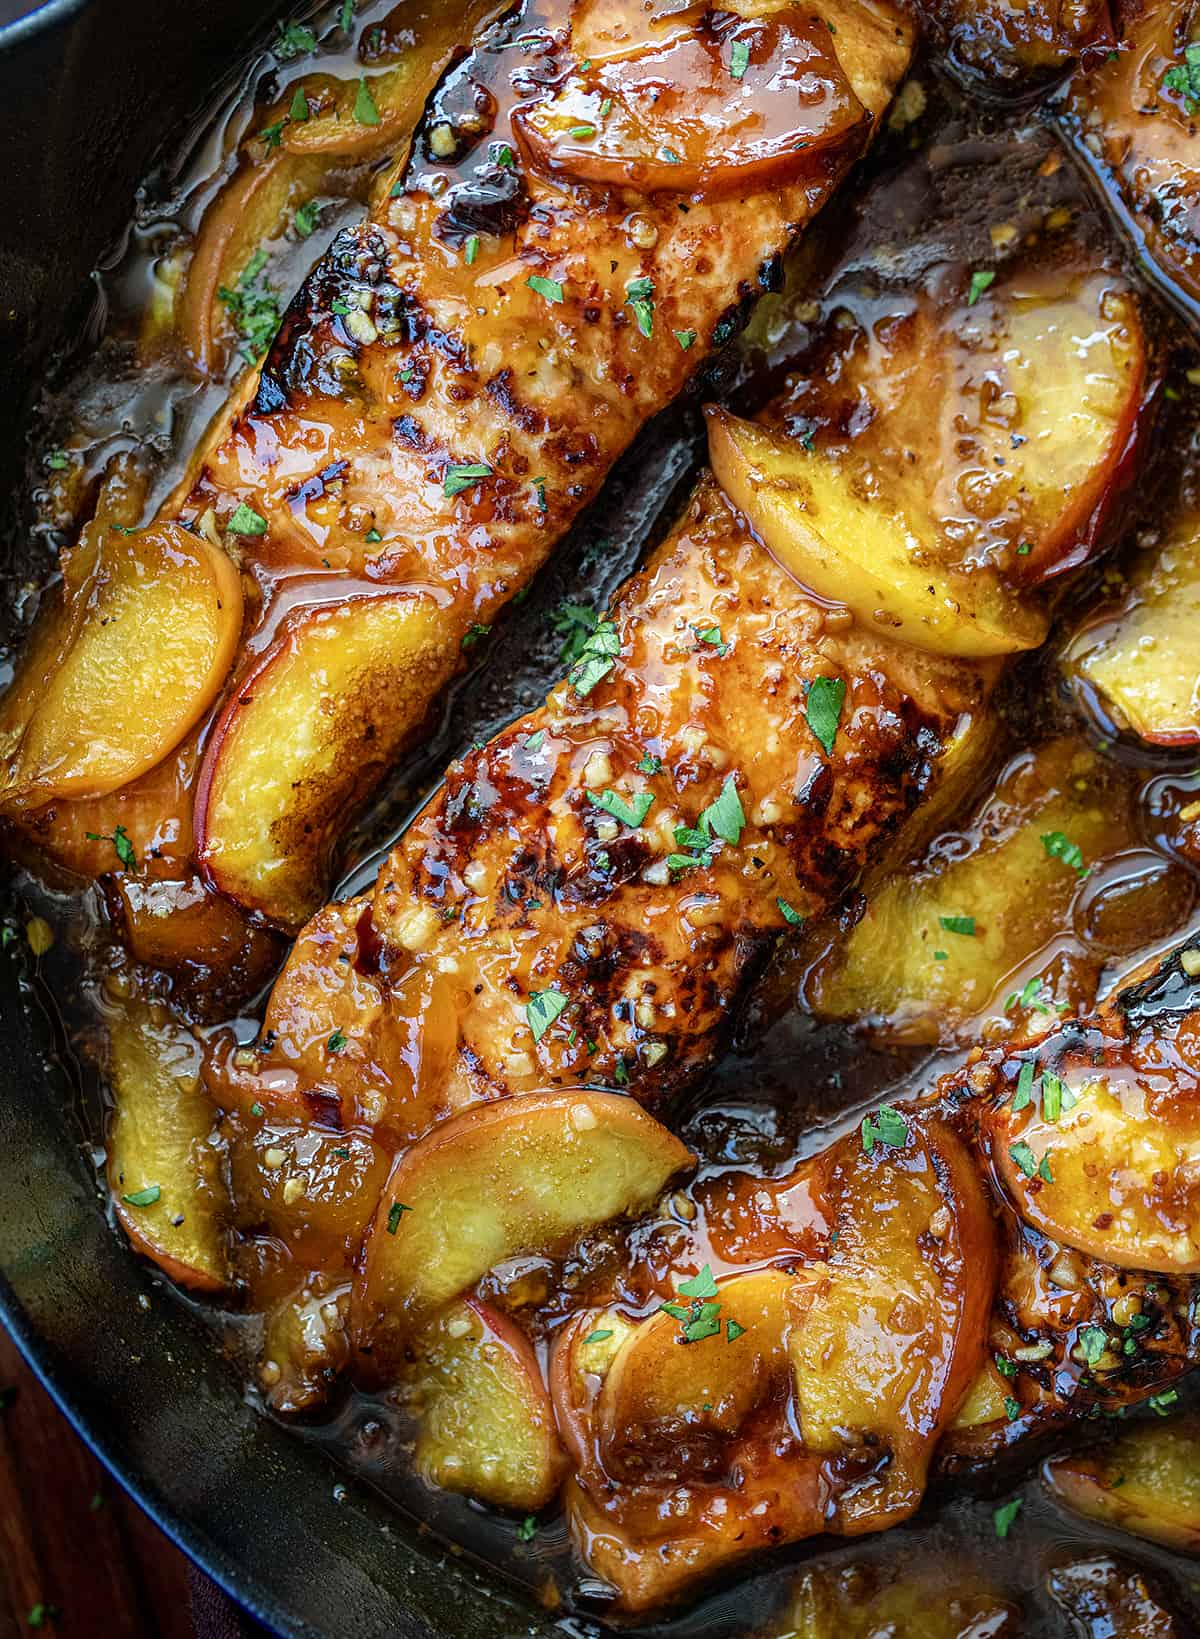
(456,376)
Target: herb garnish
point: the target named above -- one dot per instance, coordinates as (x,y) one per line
(722,821)
(120,841)
(337,1041)
(463,477)
(395,1212)
(541,1010)
(1059,846)
(789,914)
(245,521)
(639,294)
(253,308)
(305,219)
(365,111)
(597,657)
(631,811)
(888,1127)
(980,281)
(144,1197)
(959,924)
(550,289)
(739,58)
(1185,78)
(294,40)
(823,710)
(685,338)
(1003,1517)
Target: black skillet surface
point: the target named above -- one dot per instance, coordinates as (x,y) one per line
(89,91)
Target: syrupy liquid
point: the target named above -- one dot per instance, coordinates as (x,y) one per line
(789,1082)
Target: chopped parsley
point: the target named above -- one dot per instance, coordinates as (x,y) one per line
(243,520)
(253,308)
(733,1331)
(464,477)
(527,1529)
(372,537)
(474,634)
(823,710)
(294,41)
(1059,846)
(539,490)
(1185,79)
(1004,1516)
(685,338)
(959,924)
(647,763)
(1161,1404)
(299,109)
(1024,1092)
(272,135)
(599,1335)
(144,1197)
(1027,996)
(536,740)
(789,914)
(471,249)
(1028,1162)
(365,111)
(739,58)
(700,1286)
(305,219)
(639,294)
(541,1010)
(597,658)
(1093,1343)
(121,843)
(395,1212)
(575,623)
(631,811)
(887,1127)
(346,16)
(980,281)
(550,290)
(57,460)
(712,636)
(1012,1407)
(336,1042)
(722,821)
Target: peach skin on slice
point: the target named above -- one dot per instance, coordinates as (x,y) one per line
(163,1169)
(1147,1482)
(1105,1158)
(121,666)
(485,1423)
(742,106)
(998,430)
(303,733)
(891,1330)
(518,1175)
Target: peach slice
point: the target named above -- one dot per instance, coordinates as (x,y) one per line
(890,1332)
(891,1597)
(992,436)
(668,1402)
(939,943)
(855,551)
(519,1175)
(1147,1482)
(164,1168)
(121,667)
(1099,1158)
(485,1422)
(302,734)
(730,109)
(1143,659)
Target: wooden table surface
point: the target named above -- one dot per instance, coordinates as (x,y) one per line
(78,1558)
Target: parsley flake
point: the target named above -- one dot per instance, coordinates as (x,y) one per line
(597,658)
(789,914)
(733,1331)
(980,281)
(1185,79)
(739,59)
(253,307)
(1093,1343)
(888,1127)
(647,763)
(1003,1517)
(1059,846)
(550,289)
(336,1042)
(959,924)
(700,1286)
(395,1212)
(527,1529)
(599,1335)
(245,521)
(144,1197)
(541,1010)
(631,811)
(120,841)
(1024,1158)
(823,709)
(1024,1092)
(305,219)
(685,338)
(464,477)
(471,249)
(639,294)
(365,111)
(299,109)
(294,41)
(1161,1404)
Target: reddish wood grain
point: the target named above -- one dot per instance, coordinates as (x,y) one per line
(70,1540)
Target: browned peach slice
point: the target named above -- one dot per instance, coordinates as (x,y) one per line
(1147,1482)
(998,427)
(302,734)
(1143,658)
(890,1332)
(485,1423)
(686,1379)
(121,667)
(891,1597)
(519,1175)
(1106,1158)
(734,108)
(164,1169)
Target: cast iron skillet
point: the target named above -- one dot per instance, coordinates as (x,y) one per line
(90,89)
